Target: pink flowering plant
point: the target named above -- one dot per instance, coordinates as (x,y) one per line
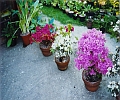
(92,55)
(43,34)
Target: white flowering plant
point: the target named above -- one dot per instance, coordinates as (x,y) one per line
(114,86)
(115,70)
(63,43)
(116,29)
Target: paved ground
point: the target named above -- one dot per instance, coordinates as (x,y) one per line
(27,75)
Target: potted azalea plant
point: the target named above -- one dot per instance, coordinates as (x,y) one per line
(114,72)
(44,36)
(92,56)
(62,46)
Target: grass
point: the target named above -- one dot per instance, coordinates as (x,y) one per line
(58,14)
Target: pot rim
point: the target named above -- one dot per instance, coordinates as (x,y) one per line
(24,34)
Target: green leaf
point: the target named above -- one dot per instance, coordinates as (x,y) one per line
(36,3)
(9,42)
(32,26)
(51,21)
(34,21)
(33,31)
(76,38)
(40,23)
(14,12)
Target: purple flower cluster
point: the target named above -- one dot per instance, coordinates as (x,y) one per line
(92,55)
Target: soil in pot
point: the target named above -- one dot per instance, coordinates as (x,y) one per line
(62,62)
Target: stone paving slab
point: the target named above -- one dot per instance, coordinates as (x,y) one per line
(27,75)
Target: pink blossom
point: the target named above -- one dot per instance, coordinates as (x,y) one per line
(93,53)
(42,34)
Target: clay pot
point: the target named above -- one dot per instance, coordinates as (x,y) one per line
(118,97)
(25,39)
(89,24)
(74,17)
(45,49)
(82,18)
(62,65)
(90,86)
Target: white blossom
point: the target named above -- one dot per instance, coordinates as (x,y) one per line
(109,86)
(114,70)
(84,2)
(111,23)
(118,63)
(118,22)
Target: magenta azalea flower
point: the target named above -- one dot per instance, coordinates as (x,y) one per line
(92,55)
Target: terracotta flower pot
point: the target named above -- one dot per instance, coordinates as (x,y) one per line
(89,24)
(82,18)
(90,86)
(62,65)
(118,97)
(45,49)
(25,39)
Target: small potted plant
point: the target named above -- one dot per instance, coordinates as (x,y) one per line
(71,5)
(89,22)
(114,72)
(62,46)
(75,15)
(27,10)
(92,56)
(44,36)
(82,16)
